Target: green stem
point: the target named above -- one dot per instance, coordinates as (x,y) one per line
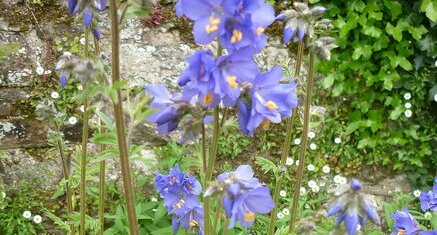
(217,215)
(102,189)
(66,172)
(119,122)
(203,149)
(306,121)
(83,163)
(285,148)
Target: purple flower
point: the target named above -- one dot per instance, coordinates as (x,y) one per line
(352,206)
(72,6)
(428,200)
(87,9)
(243,196)
(191,220)
(87,17)
(100,5)
(406,224)
(96,33)
(271,101)
(63,79)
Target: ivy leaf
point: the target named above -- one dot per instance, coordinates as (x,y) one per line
(394,7)
(381,43)
(353,126)
(356,6)
(328,81)
(417,32)
(430,9)
(365,51)
(394,31)
(401,61)
(394,115)
(314,1)
(372,31)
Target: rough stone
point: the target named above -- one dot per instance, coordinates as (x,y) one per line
(22,133)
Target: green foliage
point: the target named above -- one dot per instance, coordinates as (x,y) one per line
(231,142)
(7,49)
(387,49)
(72,45)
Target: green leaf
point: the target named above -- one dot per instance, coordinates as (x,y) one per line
(314,1)
(417,32)
(356,5)
(394,115)
(395,8)
(267,165)
(434,220)
(3,154)
(105,138)
(430,9)
(352,127)
(328,81)
(401,61)
(372,31)
(394,31)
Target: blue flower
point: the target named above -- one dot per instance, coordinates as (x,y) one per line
(405,224)
(428,200)
(243,196)
(87,9)
(271,101)
(191,220)
(352,206)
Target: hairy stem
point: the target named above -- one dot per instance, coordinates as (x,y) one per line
(306,121)
(83,163)
(203,148)
(119,122)
(102,189)
(66,173)
(285,147)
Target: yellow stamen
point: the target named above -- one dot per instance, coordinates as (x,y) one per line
(232,81)
(401,232)
(236,36)
(208,98)
(180,203)
(249,217)
(259,30)
(193,223)
(213,25)
(271,105)
(265,124)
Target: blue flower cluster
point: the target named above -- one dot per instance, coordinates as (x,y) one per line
(405,224)
(179,192)
(243,195)
(232,79)
(87,9)
(428,200)
(352,206)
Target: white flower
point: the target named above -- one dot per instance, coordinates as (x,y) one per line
(80,87)
(408,105)
(417,193)
(37,219)
(313,146)
(54,95)
(435,97)
(428,215)
(312,184)
(27,214)
(48,72)
(3,194)
(302,191)
(315,189)
(322,183)
(311,134)
(282,193)
(82,41)
(325,155)
(407,96)
(326,169)
(40,70)
(289,161)
(296,141)
(82,108)
(408,113)
(358,227)
(280,215)
(72,120)
(343,180)
(285,211)
(310,167)
(297,162)
(337,179)
(337,140)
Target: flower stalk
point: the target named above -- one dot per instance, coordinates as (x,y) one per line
(285,146)
(119,122)
(301,167)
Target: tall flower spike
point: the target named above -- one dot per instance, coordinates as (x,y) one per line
(352,206)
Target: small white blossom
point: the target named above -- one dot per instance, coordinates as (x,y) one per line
(280,215)
(435,97)
(408,113)
(408,105)
(153,199)
(407,96)
(72,120)
(82,108)
(3,194)
(285,211)
(289,161)
(343,180)
(311,134)
(428,215)
(337,179)
(302,191)
(282,193)
(326,169)
(54,95)
(315,189)
(325,155)
(80,87)
(312,184)
(337,140)
(417,193)
(27,214)
(48,72)
(358,227)
(310,167)
(40,70)
(297,162)
(296,141)
(82,41)
(37,219)
(313,146)
(322,183)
